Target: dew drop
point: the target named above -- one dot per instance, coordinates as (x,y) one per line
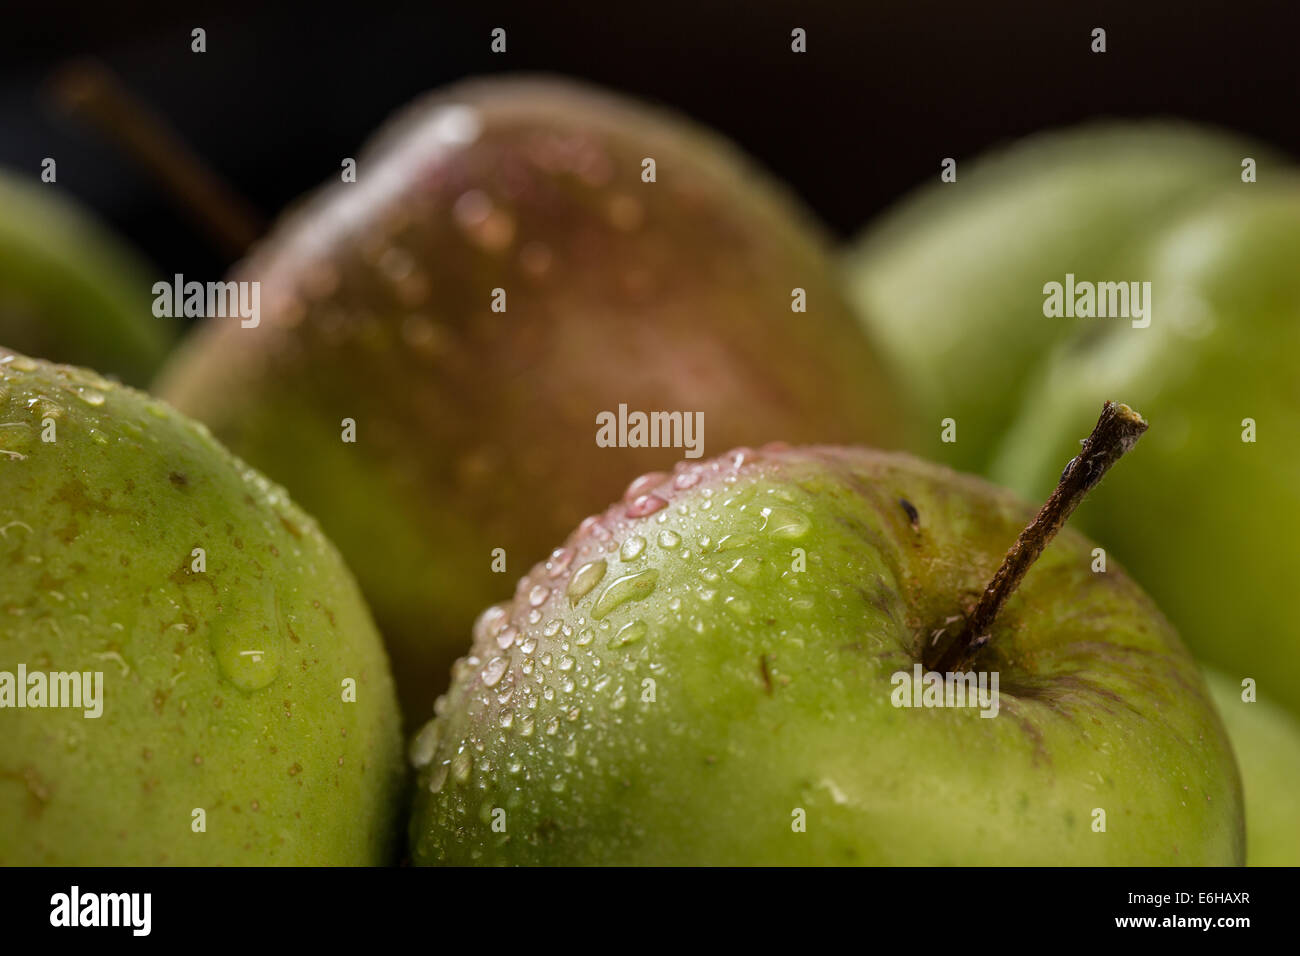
(584,579)
(438,778)
(645,505)
(460,767)
(559,562)
(490,622)
(424,744)
(494,671)
(739,607)
(630,587)
(629,633)
(632,548)
(644,485)
(732,541)
(669,539)
(785,522)
(250,662)
(538,595)
(686,479)
(744,570)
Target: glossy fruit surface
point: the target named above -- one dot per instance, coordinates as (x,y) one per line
(1266,741)
(709,664)
(226,630)
(951,281)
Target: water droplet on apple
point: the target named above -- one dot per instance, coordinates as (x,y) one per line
(425,743)
(460,767)
(490,622)
(249,661)
(629,633)
(507,636)
(584,579)
(782,522)
(438,778)
(630,587)
(644,485)
(645,505)
(687,479)
(494,670)
(559,562)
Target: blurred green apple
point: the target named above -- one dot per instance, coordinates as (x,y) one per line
(188,674)
(1207,516)
(1266,740)
(72,292)
(951,281)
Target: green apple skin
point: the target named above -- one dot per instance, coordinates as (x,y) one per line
(1266,740)
(97,533)
(682,703)
(951,281)
(476,429)
(70,291)
(1206,521)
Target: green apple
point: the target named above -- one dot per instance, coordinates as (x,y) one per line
(72,292)
(706,673)
(188,674)
(1206,517)
(516,259)
(951,282)
(1266,740)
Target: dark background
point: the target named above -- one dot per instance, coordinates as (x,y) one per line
(885,90)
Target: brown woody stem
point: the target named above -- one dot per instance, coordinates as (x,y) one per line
(90,91)
(1117,431)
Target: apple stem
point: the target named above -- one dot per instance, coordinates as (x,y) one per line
(90,91)
(1115,434)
